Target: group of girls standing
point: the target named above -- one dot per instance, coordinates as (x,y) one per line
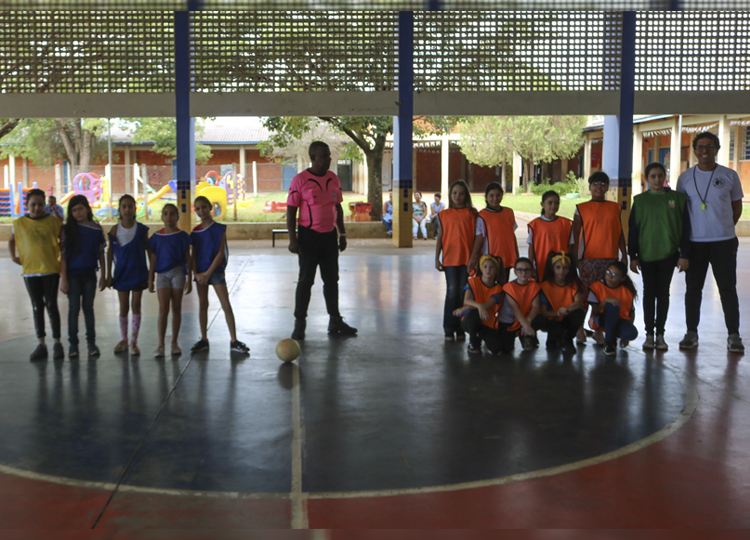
(71,255)
(547,293)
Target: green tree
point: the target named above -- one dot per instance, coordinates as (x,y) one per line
(492,140)
(369,133)
(7,125)
(162,132)
(47,140)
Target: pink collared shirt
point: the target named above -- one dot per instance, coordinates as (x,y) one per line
(316,197)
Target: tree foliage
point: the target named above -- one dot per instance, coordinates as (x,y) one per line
(492,140)
(47,140)
(368,133)
(162,132)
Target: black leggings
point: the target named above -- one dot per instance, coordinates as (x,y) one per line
(43,294)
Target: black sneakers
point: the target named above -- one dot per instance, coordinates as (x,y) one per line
(239,347)
(58,352)
(336,325)
(40,353)
(199,346)
(610,349)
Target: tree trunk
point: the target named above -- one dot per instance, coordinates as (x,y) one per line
(375,178)
(7,127)
(528,173)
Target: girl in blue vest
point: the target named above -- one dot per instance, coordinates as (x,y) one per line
(82,255)
(170,259)
(128,248)
(210,256)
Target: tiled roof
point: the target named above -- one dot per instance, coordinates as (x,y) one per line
(221,130)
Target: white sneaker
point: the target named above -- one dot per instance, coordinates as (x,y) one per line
(660,343)
(649,343)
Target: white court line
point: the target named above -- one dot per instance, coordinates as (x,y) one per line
(298,498)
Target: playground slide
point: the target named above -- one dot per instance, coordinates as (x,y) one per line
(159,194)
(66,198)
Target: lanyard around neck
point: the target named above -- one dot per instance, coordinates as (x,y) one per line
(705,195)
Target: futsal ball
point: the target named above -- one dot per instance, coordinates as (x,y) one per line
(287,350)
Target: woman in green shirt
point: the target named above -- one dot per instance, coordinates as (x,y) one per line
(658,240)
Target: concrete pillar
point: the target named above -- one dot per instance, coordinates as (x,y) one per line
(637,160)
(128,181)
(445,156)
(243,165)
(518,170)
(12,169)
(723,157)
(25,168)
(739,146)
(586,159)
(675,151)
(58,180)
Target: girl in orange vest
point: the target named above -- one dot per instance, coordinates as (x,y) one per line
(597,233)
(561,302)
(522,297)
(454,241)
(495,230)
(612,302)
(482,300)
(548,233)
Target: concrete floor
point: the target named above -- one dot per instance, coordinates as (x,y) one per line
(391,429)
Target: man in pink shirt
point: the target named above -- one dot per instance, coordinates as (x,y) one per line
(317,194)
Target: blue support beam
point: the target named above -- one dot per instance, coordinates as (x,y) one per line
(403,154)
(617,151)
(185,123)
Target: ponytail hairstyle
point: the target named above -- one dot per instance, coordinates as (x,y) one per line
(627,282)
(119,203)
(549,270)
(490,187)
(71,225)
(465,186)
(546,195)
(204,199)
(168,205)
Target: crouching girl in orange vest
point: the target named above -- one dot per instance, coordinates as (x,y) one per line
(561,302)
(455,238)
(612,303)
(522,296)
(597,232)
(482,301)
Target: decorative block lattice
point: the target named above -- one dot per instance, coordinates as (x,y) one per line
(379,5)
(294,51)
(691,51)
(516,51)
(92,51)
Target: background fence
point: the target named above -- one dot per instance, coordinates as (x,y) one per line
(259,185)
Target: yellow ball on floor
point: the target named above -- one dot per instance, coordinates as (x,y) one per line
(287,350)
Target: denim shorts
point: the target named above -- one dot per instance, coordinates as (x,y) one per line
(173,278)
(217,278)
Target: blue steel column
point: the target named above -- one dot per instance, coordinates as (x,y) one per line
(617,151)
(185,123)
(403,156)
